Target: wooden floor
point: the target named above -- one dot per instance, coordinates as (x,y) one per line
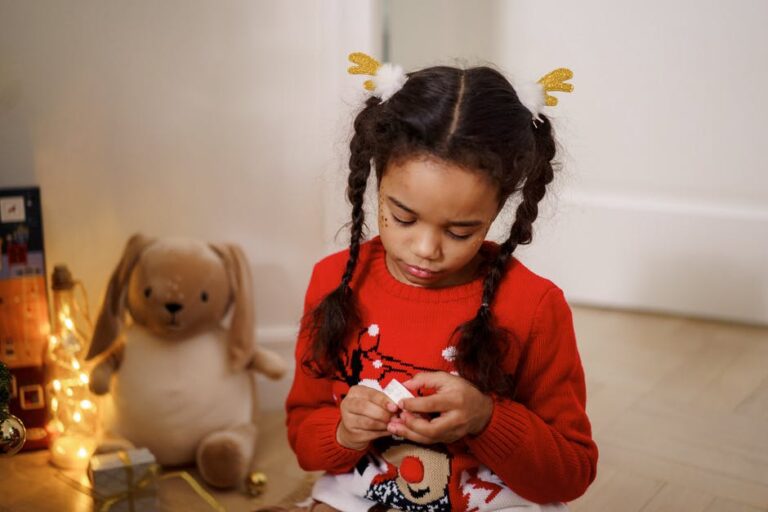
(679,409)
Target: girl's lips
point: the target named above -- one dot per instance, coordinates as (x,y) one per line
(420,272)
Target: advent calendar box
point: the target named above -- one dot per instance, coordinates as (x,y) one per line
(24,324)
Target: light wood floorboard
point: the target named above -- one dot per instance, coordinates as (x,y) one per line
(678,401)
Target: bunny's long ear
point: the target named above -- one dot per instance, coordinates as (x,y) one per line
(241,331)
(111,315)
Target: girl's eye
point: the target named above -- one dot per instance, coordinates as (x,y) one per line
(459,237)
(403,222)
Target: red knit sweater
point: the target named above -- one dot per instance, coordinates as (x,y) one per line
(537,447)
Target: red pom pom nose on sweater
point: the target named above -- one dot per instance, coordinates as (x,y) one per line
(412,470)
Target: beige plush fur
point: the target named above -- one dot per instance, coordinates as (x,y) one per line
(182,384)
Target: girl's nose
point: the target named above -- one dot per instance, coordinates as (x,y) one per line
(427,246)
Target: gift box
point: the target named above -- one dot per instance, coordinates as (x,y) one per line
(124,481)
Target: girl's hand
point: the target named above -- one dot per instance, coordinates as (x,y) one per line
(464,410)
(365,413)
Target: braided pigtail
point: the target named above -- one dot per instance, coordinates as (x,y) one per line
(482,343)
(337,313)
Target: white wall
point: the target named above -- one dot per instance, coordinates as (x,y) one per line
(666,206)
(449,32)
(663,200)
(217,120)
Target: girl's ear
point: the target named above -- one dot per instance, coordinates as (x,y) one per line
(241,330)
(111,315)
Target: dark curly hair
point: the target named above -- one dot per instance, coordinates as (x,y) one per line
(470,117)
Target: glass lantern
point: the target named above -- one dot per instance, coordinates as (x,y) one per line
(74,413)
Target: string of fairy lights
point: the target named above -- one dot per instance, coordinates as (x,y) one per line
(74,423)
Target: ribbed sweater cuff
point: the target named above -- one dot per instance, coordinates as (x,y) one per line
(337,458)
(504,433)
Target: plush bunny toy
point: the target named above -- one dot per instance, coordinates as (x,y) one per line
(183,385)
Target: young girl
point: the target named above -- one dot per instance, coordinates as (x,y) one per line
(486,347)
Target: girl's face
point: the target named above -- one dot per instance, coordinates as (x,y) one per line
(433,218)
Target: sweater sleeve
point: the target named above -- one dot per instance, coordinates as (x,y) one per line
(540,444)
(312,416)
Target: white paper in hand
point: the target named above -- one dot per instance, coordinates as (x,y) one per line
(396,391)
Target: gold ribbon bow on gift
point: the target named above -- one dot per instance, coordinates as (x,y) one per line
(137,489)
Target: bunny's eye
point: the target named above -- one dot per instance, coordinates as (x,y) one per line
(204,296)
(148,291)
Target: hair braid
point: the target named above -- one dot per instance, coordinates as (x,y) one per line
(477,361)
(535,185)
(335,315)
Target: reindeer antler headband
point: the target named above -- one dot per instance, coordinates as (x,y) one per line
(535,95)
(387,78)
(390,78)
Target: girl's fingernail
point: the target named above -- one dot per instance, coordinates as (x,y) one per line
(400,404)
(391,407)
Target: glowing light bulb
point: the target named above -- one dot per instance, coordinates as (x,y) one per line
(75,364)
(57,385)
(86,404)
(77,417)
(69,324)
(83,378)
(73,452)
(54,403)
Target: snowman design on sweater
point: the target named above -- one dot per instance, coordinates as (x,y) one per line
(403,475)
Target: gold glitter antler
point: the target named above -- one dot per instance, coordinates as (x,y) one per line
(365,65)
(555,81)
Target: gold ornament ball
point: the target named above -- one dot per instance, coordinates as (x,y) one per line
(12,435)
(256,482)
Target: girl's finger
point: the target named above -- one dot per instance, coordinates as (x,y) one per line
(403,431)
(421,426)
(363,407)
(359,422)
(372,395)
(428,380)
(427,404)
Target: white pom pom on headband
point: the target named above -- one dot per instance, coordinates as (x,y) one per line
(534,95)
(390,78)
(387,78)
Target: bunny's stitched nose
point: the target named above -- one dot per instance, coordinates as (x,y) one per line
(173,307)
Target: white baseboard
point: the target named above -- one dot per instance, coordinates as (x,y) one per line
(675,256)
